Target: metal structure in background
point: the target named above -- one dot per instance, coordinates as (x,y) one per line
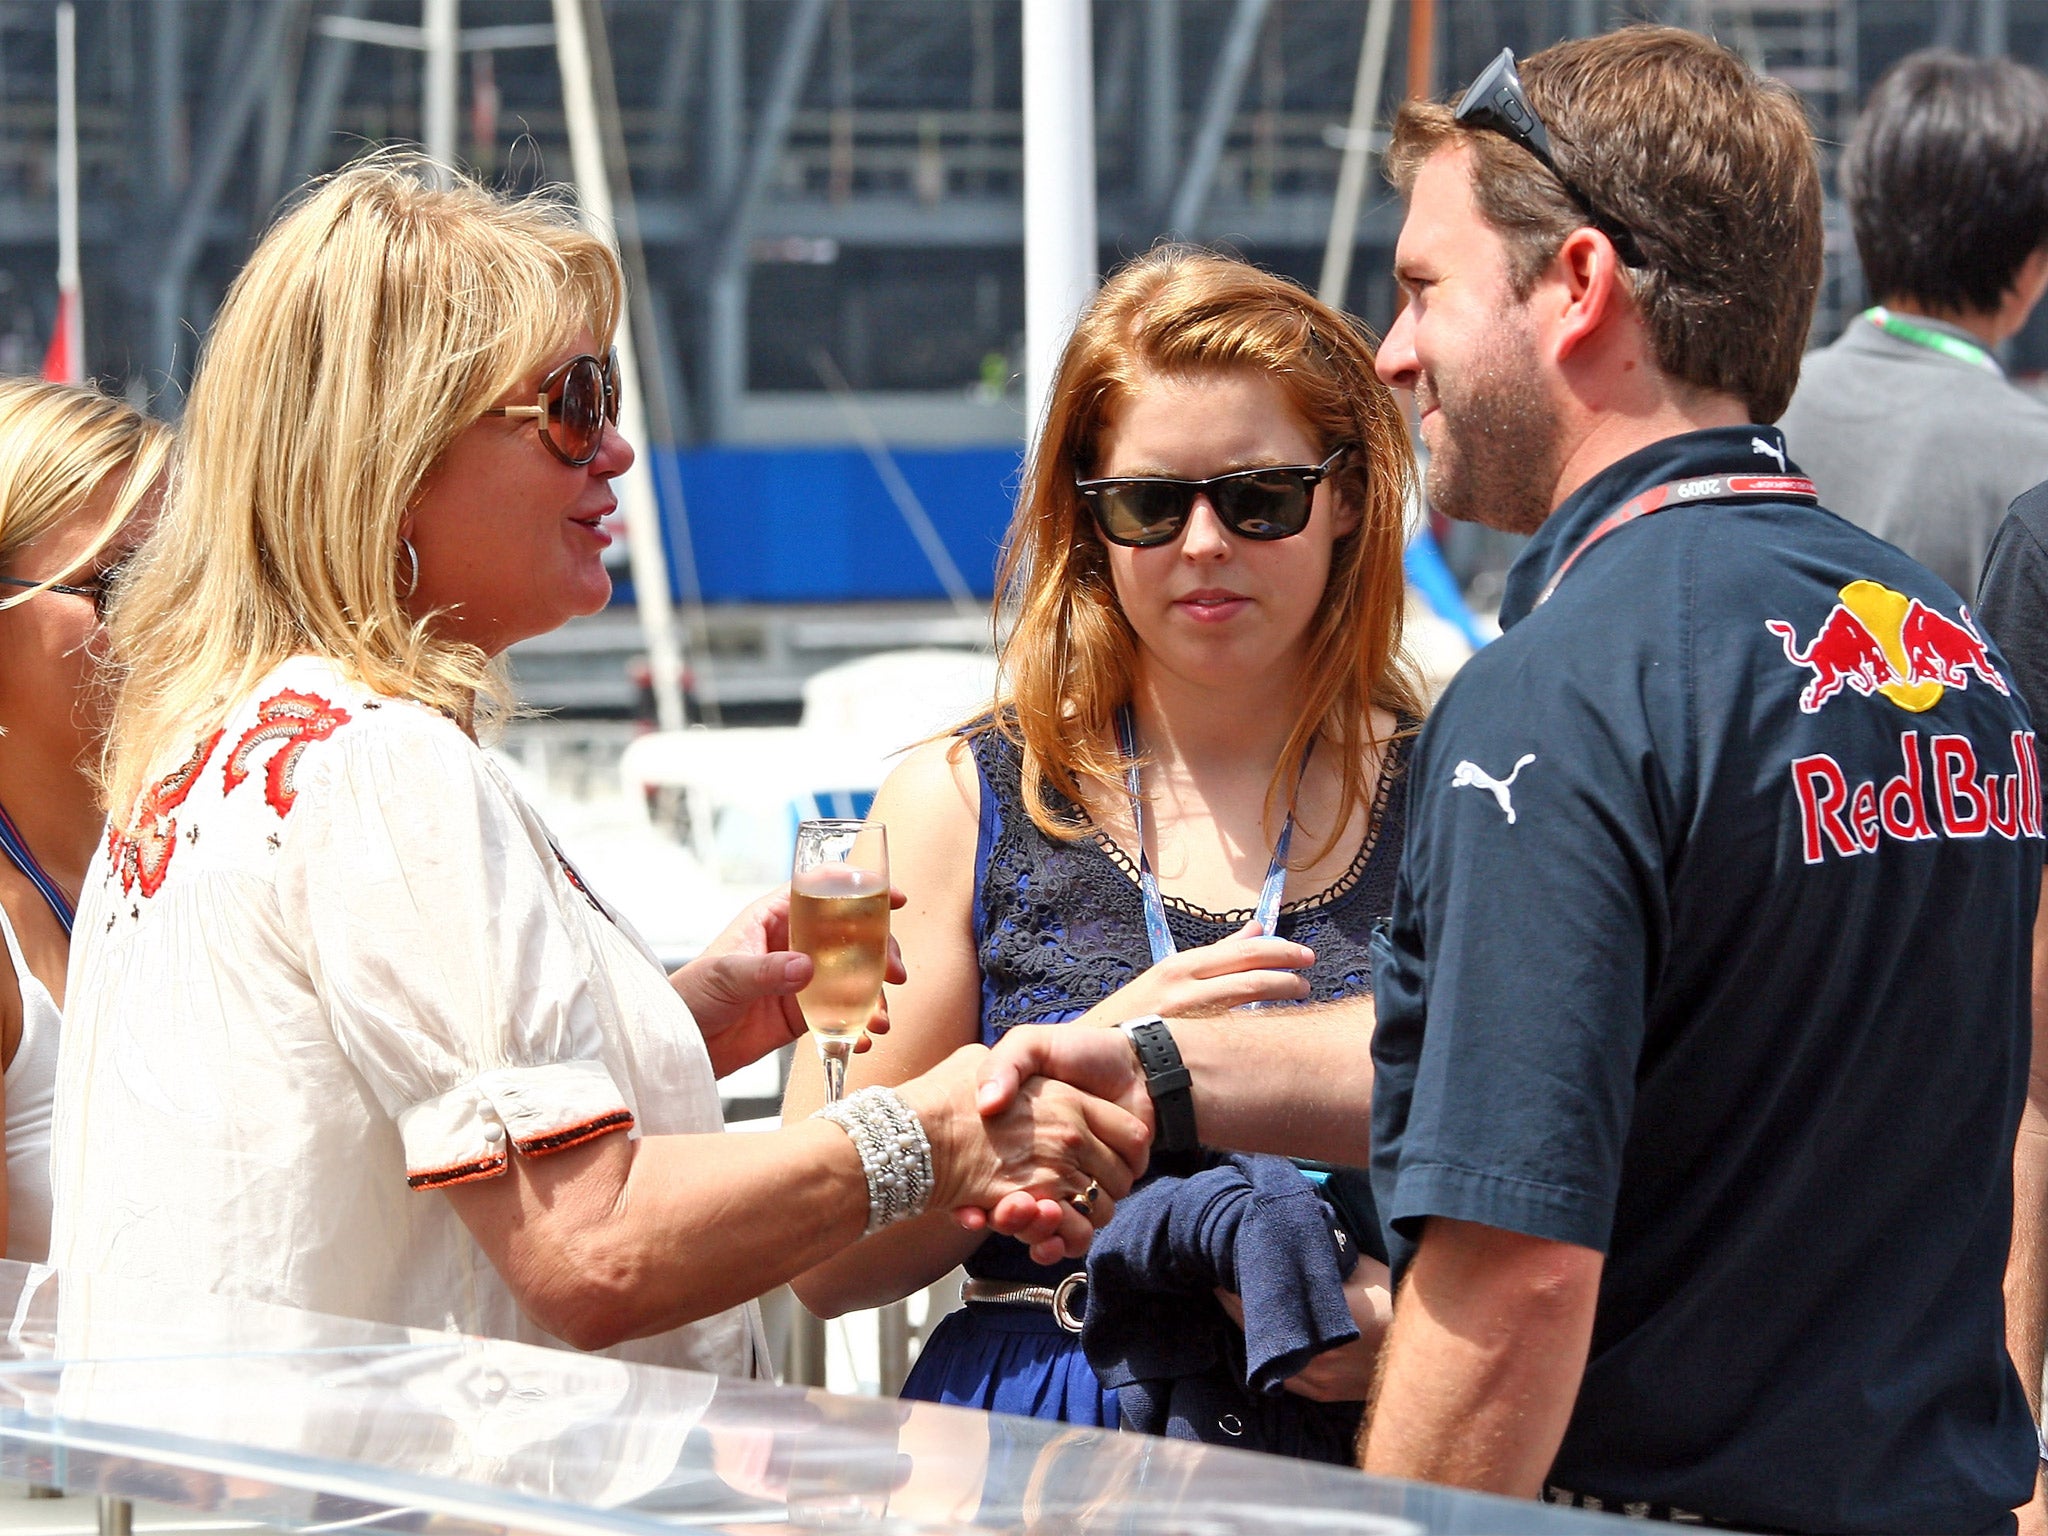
(1226,87)
(1335,280)
(1811,46)
(845,175)
(729,210)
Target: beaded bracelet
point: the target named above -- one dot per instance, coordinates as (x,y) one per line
(894,1153)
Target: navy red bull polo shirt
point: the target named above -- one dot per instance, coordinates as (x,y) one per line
(1710,952)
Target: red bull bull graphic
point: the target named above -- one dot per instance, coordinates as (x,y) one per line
(1947,795)
(1879,642)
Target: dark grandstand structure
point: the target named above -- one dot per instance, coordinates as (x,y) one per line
(866,219)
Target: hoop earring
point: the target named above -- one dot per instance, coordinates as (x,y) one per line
(413,556)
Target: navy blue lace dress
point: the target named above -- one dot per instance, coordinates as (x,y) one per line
(1057,928)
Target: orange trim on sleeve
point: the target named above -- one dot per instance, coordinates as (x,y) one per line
(576,1135)
(457,1173)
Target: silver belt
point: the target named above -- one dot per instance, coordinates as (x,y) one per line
(1067,1301)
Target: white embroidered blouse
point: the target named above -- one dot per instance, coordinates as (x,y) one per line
(339,965)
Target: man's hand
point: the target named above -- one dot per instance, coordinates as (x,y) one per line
(1343,1374)
(742,989)
(1031,1159)
(1100,1062)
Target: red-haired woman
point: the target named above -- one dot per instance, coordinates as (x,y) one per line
(1184,801)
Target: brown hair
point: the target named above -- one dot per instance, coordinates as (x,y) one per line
(1710,168)
(1069,661)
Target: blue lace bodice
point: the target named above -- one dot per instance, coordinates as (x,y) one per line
(1058,926)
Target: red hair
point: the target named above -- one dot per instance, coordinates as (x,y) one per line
(1070,659)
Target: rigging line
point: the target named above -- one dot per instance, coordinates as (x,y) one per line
(921,526)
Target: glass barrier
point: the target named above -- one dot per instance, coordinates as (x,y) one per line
(241,1411)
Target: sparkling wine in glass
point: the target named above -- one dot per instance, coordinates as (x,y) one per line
(839,916)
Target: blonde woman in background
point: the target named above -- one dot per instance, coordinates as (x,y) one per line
(349,1033)
(76,468)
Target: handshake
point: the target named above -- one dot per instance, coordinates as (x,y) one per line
(1038,1138)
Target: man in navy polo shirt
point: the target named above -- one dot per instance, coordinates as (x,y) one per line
(1703,1008)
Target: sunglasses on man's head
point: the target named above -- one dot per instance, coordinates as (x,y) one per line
(99,588)
(1262,504)
(1496,101)
(575,402)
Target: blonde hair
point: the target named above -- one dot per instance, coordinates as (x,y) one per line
(1070,661)
(372,325)
(59,443)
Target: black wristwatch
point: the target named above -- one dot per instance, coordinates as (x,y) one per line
(1167,1080)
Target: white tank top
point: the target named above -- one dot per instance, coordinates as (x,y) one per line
(31,1085)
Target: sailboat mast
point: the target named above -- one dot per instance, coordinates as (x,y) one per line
(636,487)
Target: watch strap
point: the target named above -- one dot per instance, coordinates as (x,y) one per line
(1168,1082)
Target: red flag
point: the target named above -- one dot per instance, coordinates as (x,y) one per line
(60,366)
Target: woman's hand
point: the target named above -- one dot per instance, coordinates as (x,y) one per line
(742,989)
(1343,1374)
(1247,967)
(1047,1147)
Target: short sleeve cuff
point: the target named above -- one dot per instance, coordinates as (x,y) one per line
(468,1132)
(1511,1204)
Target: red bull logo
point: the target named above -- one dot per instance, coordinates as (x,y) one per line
(1877,641)
(1950,793)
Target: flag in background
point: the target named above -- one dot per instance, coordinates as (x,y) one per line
(64,362)
(61,361)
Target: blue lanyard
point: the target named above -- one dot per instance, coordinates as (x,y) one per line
(1267,913)
(15,846)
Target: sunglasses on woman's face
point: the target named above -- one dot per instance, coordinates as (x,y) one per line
(576,401)
(99,588)
(1262,504)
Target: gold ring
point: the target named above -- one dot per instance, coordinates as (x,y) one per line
(1085,1201)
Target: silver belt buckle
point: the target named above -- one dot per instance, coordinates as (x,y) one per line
(1070,1300)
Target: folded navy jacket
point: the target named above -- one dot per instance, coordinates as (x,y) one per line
(1154,1330)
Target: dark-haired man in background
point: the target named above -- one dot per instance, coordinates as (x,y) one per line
(1907,423)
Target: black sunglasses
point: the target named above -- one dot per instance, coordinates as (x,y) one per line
(1261,504)
(1496,101)
(575,402)
(100,588)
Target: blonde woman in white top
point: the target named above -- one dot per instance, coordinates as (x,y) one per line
(347,1032)
(74,468)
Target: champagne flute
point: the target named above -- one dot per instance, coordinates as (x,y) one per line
(839,916)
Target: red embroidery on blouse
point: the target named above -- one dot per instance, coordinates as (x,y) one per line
(576,880)
(295,720)
(142,854)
